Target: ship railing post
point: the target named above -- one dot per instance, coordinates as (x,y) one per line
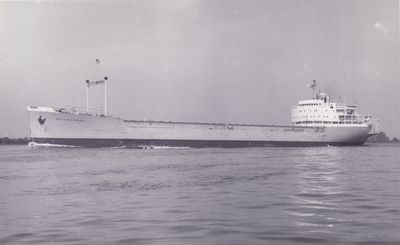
(87,95)
(105,96)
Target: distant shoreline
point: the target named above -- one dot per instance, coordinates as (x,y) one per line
(14,141)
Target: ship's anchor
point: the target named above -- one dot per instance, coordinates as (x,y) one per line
(41,120)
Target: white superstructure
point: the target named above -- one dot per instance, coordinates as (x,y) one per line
(322,111)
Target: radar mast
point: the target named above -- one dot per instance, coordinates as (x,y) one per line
(313,86)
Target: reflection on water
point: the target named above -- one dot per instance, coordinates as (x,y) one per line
(320,188)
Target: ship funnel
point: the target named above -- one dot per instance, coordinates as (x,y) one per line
(321,96)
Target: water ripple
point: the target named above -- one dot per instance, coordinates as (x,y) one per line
(316,195)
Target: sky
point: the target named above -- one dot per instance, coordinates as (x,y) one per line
(234,61)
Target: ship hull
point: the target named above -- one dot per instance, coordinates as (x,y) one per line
(49,126)
(148,143)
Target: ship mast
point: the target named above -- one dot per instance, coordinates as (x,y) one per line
(93,83)
(313,86)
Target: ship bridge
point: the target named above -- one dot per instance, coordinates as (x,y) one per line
(323,111)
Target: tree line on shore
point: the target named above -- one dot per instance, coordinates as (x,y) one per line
(382,138)
(14,141)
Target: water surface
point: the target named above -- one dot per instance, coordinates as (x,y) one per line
(316,195)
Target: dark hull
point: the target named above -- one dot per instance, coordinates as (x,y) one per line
(144,143)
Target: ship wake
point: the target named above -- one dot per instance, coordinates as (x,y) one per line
(34,144)
(161,147)
(49,145)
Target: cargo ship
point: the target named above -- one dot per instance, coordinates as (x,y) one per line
(319,121)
